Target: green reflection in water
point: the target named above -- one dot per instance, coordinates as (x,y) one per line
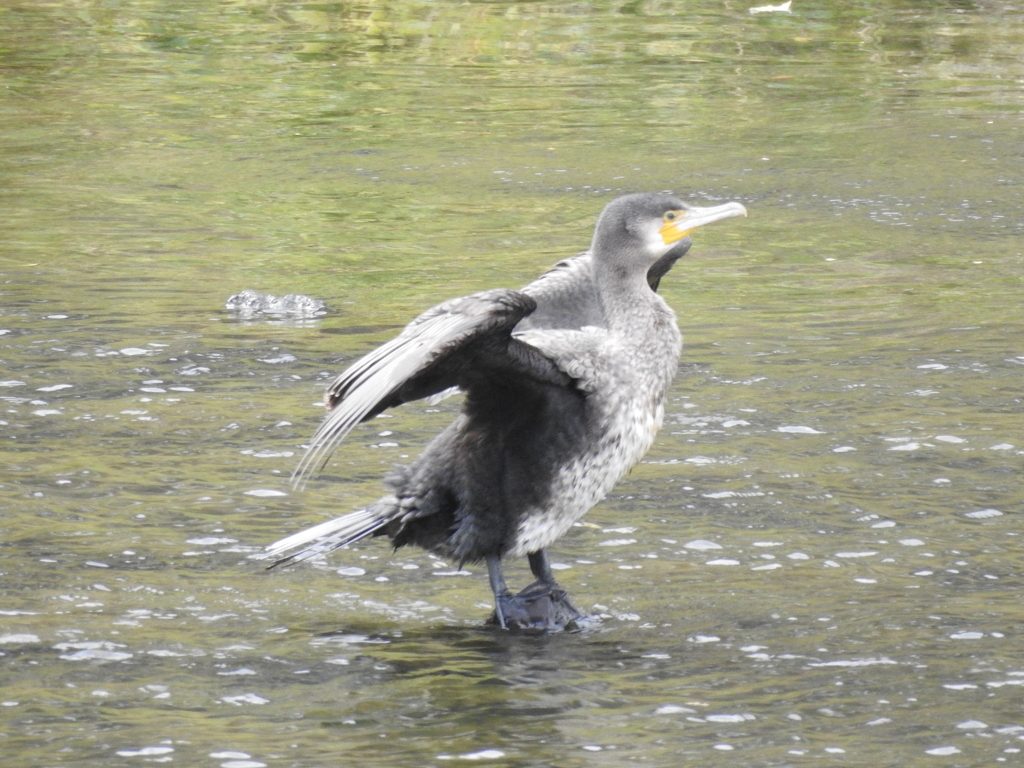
(385,156)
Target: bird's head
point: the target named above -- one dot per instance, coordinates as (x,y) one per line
(639,231)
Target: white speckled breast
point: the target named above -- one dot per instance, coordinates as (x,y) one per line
(627,376)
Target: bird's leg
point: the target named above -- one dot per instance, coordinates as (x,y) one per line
(498,587)
(540,566)
(562,608)
(512,611)
(541,606)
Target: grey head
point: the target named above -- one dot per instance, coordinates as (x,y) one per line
(647,232)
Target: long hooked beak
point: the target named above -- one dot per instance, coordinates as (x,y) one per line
(694,216)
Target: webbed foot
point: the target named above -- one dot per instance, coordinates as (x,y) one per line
(542,606)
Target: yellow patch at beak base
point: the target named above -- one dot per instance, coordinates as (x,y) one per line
(671,232)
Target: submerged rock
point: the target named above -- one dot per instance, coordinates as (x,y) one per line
(250,304)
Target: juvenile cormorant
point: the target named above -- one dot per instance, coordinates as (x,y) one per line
(564,383)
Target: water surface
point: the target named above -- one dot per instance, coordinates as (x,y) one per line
(818,563)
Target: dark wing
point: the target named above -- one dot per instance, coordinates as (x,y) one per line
(566,297)
(453,344)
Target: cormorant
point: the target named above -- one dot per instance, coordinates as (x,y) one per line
(565,383)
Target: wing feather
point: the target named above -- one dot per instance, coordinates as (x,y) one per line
(325,537)
(428,357)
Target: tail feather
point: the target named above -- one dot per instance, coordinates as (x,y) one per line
(325,537)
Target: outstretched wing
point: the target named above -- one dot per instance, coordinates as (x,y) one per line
(453,344)
(566,297)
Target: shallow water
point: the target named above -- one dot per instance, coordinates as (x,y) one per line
(817,564)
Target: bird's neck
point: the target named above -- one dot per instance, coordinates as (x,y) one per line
(626,298)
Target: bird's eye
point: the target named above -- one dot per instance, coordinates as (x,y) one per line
(670,216)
